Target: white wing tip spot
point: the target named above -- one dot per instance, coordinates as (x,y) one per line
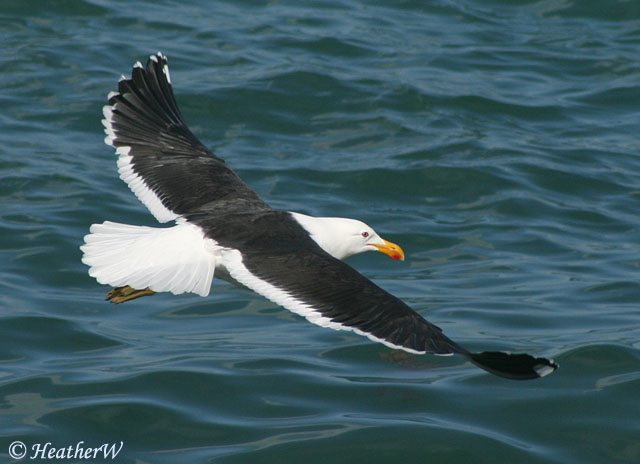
(543,369)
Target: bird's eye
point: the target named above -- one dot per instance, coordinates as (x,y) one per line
(365,234)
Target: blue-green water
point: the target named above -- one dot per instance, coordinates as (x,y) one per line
(497,142)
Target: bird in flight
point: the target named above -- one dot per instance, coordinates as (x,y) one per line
(222,227)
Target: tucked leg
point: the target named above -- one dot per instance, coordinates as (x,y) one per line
(121,294)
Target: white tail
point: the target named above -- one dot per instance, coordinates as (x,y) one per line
(178,259)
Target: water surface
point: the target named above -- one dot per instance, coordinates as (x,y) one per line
(495,141)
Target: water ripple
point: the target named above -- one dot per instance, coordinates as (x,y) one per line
(496,142)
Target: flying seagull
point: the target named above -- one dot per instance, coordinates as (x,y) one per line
(222,227)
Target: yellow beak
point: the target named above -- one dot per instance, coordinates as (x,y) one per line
(391,249)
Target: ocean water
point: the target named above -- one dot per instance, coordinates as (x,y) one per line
(495,141)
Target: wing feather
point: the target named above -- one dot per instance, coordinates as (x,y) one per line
(163,163)
(332,294)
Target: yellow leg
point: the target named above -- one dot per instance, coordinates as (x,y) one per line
(121,294)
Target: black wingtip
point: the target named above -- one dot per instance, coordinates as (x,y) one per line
(513,366)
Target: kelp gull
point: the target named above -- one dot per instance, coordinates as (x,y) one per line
(223,227)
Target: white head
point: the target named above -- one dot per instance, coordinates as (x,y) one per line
(342,238)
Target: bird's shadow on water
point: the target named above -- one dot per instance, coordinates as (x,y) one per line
(409,361)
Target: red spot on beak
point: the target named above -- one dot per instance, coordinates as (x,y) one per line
(391,249)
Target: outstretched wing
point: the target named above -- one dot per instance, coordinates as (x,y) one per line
(161,161)
(331,294)
(298,275)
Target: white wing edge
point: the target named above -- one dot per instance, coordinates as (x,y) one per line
(125,167)
(233,262)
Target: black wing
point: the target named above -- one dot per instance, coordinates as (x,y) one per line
(285,265)
(163,163)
